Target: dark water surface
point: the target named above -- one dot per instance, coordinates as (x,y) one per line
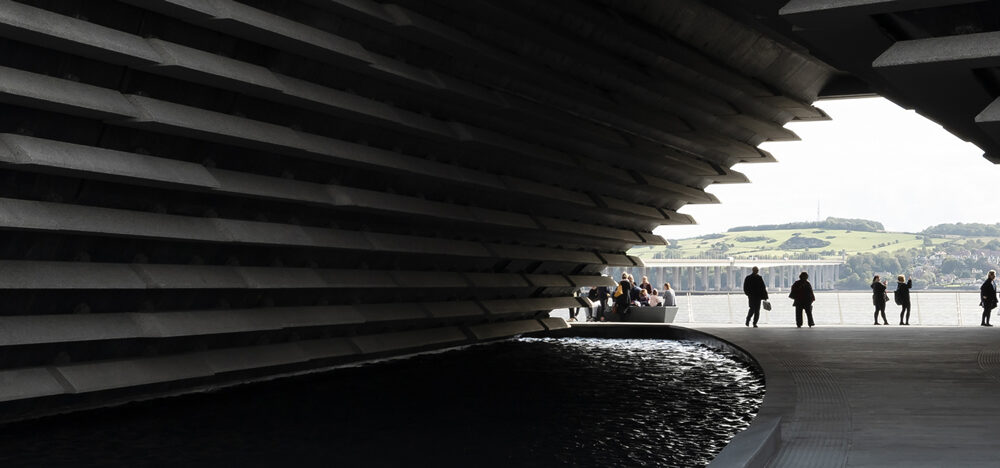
(527,402)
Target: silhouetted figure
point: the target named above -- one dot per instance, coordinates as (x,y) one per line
(602,297)
(636,291)
(903,298)
(878,298)
(573,311)
(802,298)
(623,296)
(669,297)
(756,291)
(988,297)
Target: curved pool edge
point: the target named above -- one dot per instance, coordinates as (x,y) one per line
(754,446)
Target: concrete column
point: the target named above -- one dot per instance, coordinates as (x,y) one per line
(718,278)
(691,284)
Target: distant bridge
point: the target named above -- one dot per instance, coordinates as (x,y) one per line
(689,274)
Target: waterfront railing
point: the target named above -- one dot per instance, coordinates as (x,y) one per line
(940,308)
(834,308)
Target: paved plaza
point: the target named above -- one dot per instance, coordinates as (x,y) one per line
(876,396)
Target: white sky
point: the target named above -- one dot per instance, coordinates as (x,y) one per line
(873,160)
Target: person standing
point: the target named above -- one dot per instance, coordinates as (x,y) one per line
(669,298)
(988,297)
(802,298)
(878,298)
(903,298)
(623,299)
(756,291)
(573,311)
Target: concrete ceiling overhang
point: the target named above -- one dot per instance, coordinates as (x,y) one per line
(940,58)
(195,194)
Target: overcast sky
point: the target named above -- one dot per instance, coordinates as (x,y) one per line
(873,160)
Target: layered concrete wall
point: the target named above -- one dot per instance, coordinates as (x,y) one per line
(195,194)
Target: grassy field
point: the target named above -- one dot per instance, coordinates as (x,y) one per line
(744,246)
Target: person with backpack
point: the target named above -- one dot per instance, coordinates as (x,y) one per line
(902,297)
(623,296)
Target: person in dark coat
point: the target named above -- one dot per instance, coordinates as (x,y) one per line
(636,291)
(802,298)
(756,291)
(623,300)
(988,297)
(645,285)
(878,298)
(602,297)
(903,298)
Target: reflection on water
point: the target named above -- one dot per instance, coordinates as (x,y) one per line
(535,402)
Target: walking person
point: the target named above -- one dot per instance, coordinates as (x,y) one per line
(802,298)
(756,291)
(879,298)
(903,298)
(988,297)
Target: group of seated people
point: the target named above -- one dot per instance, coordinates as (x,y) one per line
(639,295)
(643,294)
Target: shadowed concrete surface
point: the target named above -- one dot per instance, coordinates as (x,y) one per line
(877,396)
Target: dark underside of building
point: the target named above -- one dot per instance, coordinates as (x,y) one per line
(196,193)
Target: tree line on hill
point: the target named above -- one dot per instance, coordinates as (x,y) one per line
(848,224)
(964,229)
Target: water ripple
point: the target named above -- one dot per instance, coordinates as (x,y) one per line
(526,402)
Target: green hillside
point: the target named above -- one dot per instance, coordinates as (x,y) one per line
(945,256)
(827,243)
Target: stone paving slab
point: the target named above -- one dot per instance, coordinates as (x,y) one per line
(878,396)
